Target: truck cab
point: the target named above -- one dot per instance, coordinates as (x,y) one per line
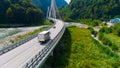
(43,36)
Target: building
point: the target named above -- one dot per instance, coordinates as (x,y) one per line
(116,20)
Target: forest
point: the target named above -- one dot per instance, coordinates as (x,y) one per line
(110,36)
(92,9)
(20,12)
(43,4)
(24,12)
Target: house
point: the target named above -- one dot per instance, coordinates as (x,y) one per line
(112,21)
(116,20)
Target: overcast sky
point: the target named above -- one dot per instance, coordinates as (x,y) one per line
(68,1)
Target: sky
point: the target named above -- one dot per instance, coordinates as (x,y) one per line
(68,1)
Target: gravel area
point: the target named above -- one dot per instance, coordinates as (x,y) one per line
(76,24)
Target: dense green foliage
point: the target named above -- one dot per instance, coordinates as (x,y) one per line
(19,13)
(111,36)
(116,29)
(46,22)
(90,22)
(91,29)
(112,41)
(43,4)
(106,30)
(77,49)
(92,9)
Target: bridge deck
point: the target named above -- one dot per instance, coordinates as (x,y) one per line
(17,57)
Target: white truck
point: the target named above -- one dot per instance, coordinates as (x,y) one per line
(43,36)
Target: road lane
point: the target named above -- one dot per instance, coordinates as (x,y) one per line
(19,56)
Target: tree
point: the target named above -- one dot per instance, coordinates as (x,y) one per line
(92,9)
(9,13)
(17,12)
(117,16)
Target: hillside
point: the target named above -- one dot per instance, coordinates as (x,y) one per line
(43,4)
(92,9)
(19,12)
(77,49)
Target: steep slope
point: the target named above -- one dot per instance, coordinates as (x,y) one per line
(43,4)
(93,9)
(20,12)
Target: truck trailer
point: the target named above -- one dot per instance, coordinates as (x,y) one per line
(43,36)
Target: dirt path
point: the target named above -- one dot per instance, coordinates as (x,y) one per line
(96,38)
(95,28)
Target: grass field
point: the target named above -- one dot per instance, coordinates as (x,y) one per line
(115,41)
(77,49)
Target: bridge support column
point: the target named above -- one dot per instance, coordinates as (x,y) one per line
(48,63)
(52,53)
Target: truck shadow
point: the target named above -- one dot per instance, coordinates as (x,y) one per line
(46,42)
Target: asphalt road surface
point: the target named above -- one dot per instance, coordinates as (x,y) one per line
(17,57)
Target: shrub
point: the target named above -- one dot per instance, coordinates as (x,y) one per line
(100,35)
(91,30)
(107,41)
(96,22)
(117,29)
(106,30)
(90,22)
(47,22)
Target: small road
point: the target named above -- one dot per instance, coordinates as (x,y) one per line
(96,38)
(76,24)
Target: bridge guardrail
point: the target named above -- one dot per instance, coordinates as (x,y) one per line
(33,63)
(14,45)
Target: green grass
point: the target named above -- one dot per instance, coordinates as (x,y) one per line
(77,49)
(115,41)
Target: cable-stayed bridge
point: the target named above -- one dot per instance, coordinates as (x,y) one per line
(30,53)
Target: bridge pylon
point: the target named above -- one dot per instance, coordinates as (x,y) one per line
(53,11)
